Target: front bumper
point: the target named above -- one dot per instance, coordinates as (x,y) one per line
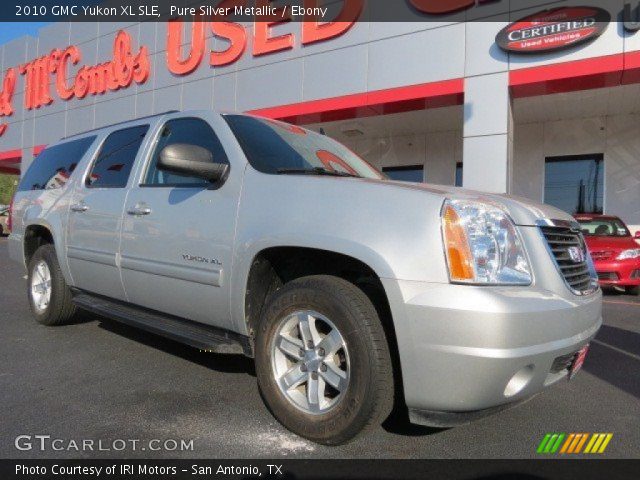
(623,273)
(466,349)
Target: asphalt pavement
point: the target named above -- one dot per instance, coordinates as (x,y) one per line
(97,380)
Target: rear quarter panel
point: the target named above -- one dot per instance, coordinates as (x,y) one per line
(45,208)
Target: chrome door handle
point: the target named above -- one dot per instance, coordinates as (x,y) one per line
(79,207)
(138,211)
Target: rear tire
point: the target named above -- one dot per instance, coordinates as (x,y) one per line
(48,293)
(356,360)
(633,290)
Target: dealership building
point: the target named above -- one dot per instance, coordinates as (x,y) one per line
(479,98)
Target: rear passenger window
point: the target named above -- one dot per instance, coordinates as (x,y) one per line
(53,167)
(192,131)
(113,164)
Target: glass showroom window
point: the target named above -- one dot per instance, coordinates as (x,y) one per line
(410,173)
(575,183)
(458,174)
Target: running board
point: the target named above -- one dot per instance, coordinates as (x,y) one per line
(194,334)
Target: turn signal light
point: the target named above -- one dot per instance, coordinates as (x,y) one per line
(459,255)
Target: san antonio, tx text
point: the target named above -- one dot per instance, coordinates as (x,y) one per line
(143,469)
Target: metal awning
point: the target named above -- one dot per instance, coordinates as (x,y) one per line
(10,162)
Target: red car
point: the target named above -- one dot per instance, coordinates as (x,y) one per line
(615,253)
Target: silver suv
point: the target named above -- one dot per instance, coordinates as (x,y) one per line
(241,235)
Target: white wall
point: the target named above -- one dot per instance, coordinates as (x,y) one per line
(438,152)
(618,137)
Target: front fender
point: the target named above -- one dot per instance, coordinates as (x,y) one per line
(394,231)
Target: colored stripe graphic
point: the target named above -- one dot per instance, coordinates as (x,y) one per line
(551,442)
(598,443)
(573,443)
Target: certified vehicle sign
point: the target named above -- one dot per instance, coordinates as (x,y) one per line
(554,29)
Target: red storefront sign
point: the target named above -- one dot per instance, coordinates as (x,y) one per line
(554,30)
(264,42)
(127,67)
(6,95)
(120,72)
(442,7)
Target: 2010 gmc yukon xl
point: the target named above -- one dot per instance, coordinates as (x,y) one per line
(237,234)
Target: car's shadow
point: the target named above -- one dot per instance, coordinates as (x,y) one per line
(614,357)
(398,423)
(214,361)
(619,292)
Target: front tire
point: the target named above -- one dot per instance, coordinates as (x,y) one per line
(49,295)
(322,360)
(633,290)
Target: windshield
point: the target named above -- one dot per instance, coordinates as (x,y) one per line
(605,227)
(277,147)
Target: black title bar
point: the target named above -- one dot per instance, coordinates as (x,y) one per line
(319,469)
(135,11)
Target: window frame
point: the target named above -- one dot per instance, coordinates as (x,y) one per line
(98,151)
(597,157)
(205,185)
(403,168)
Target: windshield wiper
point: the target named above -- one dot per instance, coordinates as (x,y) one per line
(314,171)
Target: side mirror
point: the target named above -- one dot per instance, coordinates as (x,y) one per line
(191,161)
(637,235)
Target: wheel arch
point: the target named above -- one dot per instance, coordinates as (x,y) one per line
(41,233)
(273,266)
(36,235)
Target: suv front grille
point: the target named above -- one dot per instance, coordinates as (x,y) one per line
(575,271)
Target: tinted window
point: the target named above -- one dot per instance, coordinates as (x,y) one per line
(192,131)
(113,165)
(274,147)
(604,227)
(53,167)
(575,184)
(405,174)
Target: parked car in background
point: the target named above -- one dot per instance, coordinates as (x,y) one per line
(614,251)
(4,217)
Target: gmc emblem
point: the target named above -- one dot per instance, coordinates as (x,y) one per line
(576,254)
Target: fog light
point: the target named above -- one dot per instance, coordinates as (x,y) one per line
(519,381)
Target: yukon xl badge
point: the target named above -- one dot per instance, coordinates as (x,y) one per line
(196,258)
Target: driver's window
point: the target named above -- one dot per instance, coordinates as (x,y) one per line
(192,131)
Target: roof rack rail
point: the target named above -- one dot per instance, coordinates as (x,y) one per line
(120,123)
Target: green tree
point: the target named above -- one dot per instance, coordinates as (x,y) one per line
(8,185)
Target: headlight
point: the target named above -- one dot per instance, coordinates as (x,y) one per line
(482,245)
(629,254)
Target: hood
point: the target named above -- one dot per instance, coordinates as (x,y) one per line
(522,211)
(614,244)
